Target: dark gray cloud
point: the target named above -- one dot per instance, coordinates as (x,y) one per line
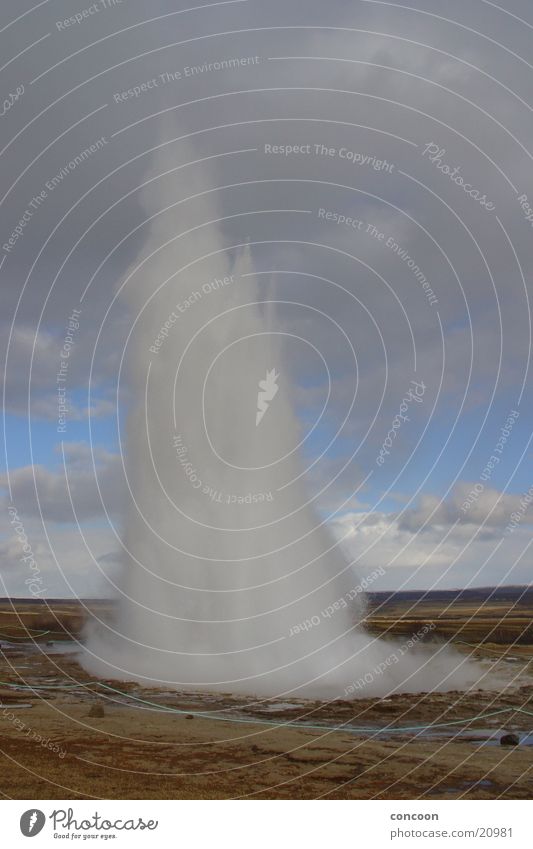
(368,78)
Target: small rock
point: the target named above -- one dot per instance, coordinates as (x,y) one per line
(189,716)
(97,710)
(509,740)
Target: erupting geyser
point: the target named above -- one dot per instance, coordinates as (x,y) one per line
(223,557)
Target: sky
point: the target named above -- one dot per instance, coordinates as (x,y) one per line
(376,158)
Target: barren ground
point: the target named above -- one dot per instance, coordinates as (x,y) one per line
(138,750)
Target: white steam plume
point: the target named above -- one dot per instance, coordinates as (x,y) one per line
(220,564)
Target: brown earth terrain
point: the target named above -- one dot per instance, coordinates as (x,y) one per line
(64,735)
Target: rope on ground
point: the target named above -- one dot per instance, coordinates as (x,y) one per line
(272,722)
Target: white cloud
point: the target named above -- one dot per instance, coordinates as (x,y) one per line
(37,490)
(442,554)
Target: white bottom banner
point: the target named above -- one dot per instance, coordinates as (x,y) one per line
(256,823)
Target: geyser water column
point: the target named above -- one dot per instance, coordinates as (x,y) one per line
(228,573)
